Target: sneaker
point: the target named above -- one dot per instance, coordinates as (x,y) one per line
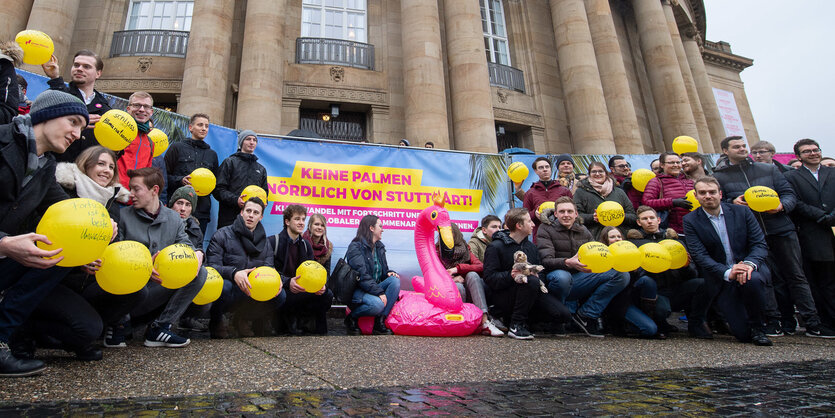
(192,324)
(772,329)
(10,366)
(160,335)
(519,332)
(490,329)
(589,326)
(114,337)
(498,324)
(820,331)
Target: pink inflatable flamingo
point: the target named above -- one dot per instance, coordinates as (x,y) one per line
(435,308)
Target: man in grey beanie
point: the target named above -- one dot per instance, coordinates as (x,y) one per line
(239,170)
(28,188)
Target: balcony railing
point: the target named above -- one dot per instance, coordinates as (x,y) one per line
(506,77)
(334,51)
(161,43)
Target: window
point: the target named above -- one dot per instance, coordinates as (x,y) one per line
(495,36)
(164,15)
(337,19)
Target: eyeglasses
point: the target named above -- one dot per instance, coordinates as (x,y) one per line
(758,152)
(141,106)
(623,165)
(810,151)
(672,162)
(596,172)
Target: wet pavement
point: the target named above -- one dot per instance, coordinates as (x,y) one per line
(796,388)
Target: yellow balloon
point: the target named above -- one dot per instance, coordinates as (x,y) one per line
(625,256)
(203,181)
(545,205)
(691,197)
(254,191)
(596,256)
(265,283)
(684,144)
(212,288)
(312,276)
(517,172)
(678,254)
(610,213)
(125,268)
(115,130)
(160,140)
(641,177)
(37,46)
(655,258)
(761,198)
(81,227)
(177,265)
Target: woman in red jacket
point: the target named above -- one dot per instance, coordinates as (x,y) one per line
(465,269)
(666,191)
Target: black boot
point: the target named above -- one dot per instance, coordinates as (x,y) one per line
(380,327)
(10,366)
(351,326)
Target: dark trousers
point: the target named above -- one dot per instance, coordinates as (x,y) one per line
(516,301)
(741,305)
(233,299)
(689,297)
(304,303)
(790,285)
(821,275)
(25,288)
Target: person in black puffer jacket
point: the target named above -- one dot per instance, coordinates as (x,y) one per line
(235,251)
(736,173)
(241,169)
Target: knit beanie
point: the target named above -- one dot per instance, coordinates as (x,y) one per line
(53,104)
(563,157)
(242,135)
(185,192)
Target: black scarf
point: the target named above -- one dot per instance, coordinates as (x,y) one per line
(252,241)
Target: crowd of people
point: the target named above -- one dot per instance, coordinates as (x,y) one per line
(751,274)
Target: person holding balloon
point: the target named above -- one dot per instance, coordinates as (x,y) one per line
(667,191)
(11,56)
(763,189)
(139,152)
(178,273)
(183,201)
(237,172)
(235,251)
(598,188)
(28,169)
(317,236)
(87,67)
(545,190)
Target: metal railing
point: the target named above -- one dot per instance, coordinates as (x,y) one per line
(335,52)
(161,43)
(506,77)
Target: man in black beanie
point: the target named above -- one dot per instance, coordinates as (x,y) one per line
(241,169)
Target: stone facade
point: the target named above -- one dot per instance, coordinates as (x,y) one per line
(598,76)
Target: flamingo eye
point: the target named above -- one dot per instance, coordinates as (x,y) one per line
(434,214)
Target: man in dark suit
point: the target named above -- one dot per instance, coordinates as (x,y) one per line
(726,243)
(814,185)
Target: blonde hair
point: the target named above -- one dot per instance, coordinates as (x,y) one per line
(319,216)
(141,95)
(90,157)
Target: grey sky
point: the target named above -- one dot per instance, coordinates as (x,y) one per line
(791,86)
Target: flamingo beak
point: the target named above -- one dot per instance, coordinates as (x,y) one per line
(446,235)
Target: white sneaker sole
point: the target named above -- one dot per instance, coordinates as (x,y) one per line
(149,343)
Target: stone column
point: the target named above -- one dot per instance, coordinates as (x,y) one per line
(262,68)
(625,128)
(591,132)
(14,14)
(205,78)
(57,19)
(706,97)
(689,84)
(472,107)
(423,74)
(668,90)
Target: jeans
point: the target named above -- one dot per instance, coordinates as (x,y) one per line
(176,301)
(599,288)
(25,288)
(474,287)
(645,325)
(645,288)
(371,305)
(232,298)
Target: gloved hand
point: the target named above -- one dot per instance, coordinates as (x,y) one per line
(682,203)
(827,220)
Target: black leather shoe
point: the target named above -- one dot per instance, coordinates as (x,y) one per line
(380,327)
(701,331)
(351,326)
(89,354)
(10,366)
(293,325)
(759,338)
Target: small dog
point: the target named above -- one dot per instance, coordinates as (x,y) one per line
(520,264)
